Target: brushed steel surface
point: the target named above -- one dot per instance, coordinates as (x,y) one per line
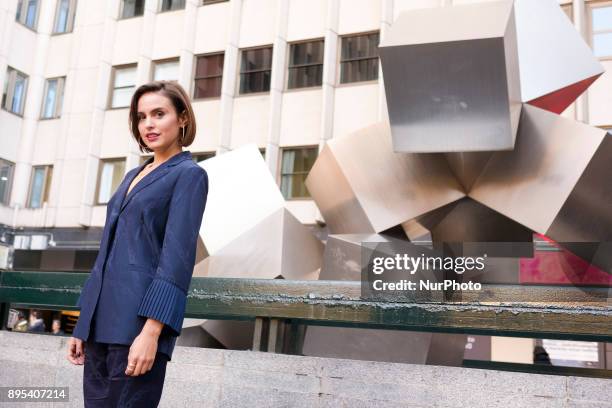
(241,193)
(452,78)
(361,185)
(552,54)
(531,183)
(278,247)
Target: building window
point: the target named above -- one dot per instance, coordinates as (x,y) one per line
(52,102)
(15,86)
(64,16)
(255,70)
(109,177)
(166,70)
(206,2)
(168,5)
(359,58)
(6,180)
(132,8)
(296,163)
(601,28)
(305,64)
(208,76)
(27,13)
(198,157)
(124,82)
(40,185)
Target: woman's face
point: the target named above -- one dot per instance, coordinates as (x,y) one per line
(158,122)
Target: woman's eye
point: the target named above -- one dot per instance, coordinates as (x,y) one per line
(160,114)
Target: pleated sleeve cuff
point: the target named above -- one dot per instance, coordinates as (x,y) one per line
(165,302)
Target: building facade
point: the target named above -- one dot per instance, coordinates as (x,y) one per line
(284,74)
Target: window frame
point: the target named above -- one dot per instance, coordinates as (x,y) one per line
(289,66)
(69,22)
(59,98)
(101,163)
(46,187)
(23,13)
(165,61)
(210,2)
(9,187)
(121,8)
(109,102)
(161,7)
(195,77)
(339,82)
(590,6)
(9,84)
(208,155)
(280,173)
(239,82)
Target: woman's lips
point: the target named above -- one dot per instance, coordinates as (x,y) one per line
(152,137)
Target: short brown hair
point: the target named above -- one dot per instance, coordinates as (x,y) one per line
(180,101)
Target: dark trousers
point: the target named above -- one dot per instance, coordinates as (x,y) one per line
(105,383)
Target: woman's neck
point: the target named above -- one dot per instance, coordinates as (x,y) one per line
(161,156)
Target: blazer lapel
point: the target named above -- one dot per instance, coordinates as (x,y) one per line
(150,178)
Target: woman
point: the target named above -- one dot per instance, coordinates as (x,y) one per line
(133,303)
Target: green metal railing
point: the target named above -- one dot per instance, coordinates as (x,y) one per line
(281,308)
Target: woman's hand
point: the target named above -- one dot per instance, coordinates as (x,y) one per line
(143,349)
(76,351)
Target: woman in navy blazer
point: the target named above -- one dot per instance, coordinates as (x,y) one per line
(133,303)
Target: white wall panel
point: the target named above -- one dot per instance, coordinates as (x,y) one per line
(250,120)
(306,19)
(212,28)
(258,22)
(355,107)
(359,15)
(301,117)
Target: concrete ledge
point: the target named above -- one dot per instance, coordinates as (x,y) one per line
(226,378)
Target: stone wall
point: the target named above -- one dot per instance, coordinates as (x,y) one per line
(198,377)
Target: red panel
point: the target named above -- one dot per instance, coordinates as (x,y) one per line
(558,101)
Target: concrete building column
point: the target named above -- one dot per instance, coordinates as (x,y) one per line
(7,15)
(330,63)
(186,61)
(230,74)
(62,145)
(34,96)
(277,85)
(386,19)
(99,110)
(579,12)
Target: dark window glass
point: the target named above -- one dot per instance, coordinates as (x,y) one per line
(359,58)
(208,76)
(132,8)
(172,5)
(296,164)
(6,178)
(306,64)
(255,70)
(202,156)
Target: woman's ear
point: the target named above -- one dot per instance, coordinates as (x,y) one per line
(183,119)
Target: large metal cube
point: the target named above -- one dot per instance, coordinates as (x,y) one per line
(360,185)
(452,78)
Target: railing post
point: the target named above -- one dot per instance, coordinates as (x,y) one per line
(4,312)
(258,333)
(276,335)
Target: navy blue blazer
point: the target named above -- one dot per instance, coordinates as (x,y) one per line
(147,255)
